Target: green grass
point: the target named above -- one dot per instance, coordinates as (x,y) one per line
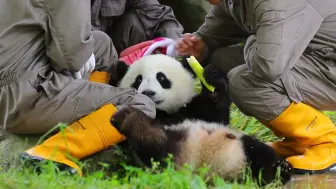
(50,177)
(169,178)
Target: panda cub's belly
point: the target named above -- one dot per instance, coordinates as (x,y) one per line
(211,144)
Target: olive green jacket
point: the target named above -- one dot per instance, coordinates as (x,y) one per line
(277,32)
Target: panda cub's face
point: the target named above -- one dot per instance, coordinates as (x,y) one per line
(163,79)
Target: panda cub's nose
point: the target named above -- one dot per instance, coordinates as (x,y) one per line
(149,93)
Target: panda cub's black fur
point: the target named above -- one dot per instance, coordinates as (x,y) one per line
(169,83)
(228,152)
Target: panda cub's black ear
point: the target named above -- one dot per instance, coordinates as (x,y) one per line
(119,72)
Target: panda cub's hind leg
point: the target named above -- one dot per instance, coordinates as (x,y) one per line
(263,160)
(148,140)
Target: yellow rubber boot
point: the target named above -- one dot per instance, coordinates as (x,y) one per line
(310,138)
(101,77)
(91,134)
(284,148)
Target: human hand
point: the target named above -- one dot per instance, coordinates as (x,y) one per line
(191,45)
(87,68)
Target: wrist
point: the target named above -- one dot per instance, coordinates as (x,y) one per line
(204,50)
(204,54)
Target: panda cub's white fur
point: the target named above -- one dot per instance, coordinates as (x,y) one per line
(211,144)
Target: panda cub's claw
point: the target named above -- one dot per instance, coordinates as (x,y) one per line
(286,170)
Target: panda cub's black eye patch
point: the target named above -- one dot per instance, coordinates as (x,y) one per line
(137,82)
(163,80)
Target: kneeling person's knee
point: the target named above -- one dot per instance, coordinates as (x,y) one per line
(104,51)
(254,96)
(240,89)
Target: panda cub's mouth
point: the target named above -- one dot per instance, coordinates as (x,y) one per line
(152,95)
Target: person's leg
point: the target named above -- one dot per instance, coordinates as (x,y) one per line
(55,92)
(227,58)
(86,106)
(127,31)
(288,107)
(106,59)
(105,52)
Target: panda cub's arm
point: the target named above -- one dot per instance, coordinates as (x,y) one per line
(212,106)
(146,138)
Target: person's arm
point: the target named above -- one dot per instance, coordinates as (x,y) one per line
(158,20)
(69,25)
(283,33)
(220,30)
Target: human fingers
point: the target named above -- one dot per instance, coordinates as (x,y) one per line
(181,45)
(191,37)
(188,39)
(187,35)
(194,38)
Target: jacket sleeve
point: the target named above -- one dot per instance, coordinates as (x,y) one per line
(219,29)
(283,32)
(157,19)
(71,41)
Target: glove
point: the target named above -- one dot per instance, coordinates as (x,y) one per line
(87,68)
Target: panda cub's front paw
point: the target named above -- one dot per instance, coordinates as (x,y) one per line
(286,170)
(216,77)
(119,119)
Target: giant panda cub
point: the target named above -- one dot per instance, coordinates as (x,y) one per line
(190,137)
(171,85)
(226,151)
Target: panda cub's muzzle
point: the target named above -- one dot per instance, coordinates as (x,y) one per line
(151,94)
